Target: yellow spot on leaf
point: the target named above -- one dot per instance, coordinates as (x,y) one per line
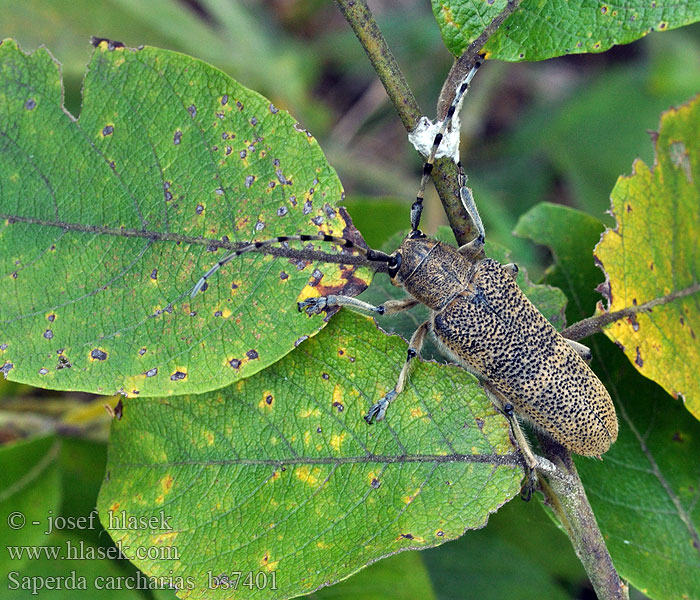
(166,483)
(308,292)
(410,497)
(337,394)
(336,440)
(164,539)
(417,412)
(447,16)
(309,412)
(308,475)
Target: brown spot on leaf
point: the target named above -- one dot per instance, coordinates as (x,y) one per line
(339,406)
(639,360)
(108,130)
(252,354)
(63,362)
(30,104)
(178,376)
(235,363)
(375,483)
(98,354)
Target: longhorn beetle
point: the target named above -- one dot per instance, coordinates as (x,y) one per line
(482,320)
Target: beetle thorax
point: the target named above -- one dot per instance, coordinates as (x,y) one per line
(430,271)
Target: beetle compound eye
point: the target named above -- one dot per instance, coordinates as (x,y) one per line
(394,265)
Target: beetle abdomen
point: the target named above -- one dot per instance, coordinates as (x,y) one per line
(493,330)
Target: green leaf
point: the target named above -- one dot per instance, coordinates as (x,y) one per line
(644,492)
(107,222)
(538,30)
(494,568)
(378,581)
(652,257)
(30,493)
(280,474)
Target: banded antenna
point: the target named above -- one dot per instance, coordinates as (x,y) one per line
(373,255)
(417,207)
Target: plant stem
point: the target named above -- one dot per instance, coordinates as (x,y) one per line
(360,18)
(595,324)
(362,22)
(567,499)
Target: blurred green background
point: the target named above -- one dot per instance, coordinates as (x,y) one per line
(562,130)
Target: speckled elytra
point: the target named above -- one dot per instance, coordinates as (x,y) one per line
(481,318)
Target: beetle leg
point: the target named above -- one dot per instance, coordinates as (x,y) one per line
(319,304)
(506,408)
(471,249)
(378,410)
(583,351)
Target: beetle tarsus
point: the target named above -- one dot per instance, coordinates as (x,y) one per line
(313,306)
(377,411)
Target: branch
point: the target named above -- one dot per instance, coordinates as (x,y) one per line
(595,324)
(360,18)
(445,178)
(567,499)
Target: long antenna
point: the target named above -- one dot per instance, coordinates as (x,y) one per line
(374,255)
(417,207)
